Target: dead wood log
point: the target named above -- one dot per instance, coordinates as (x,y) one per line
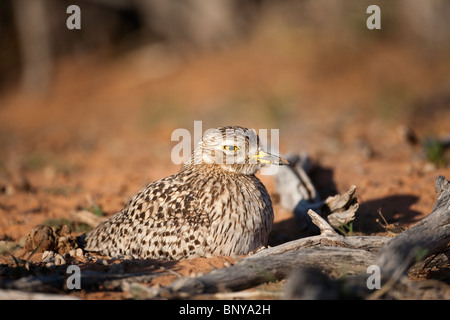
(429,236)
(251,272)
(310,284)
(328,237)
(334,254)
(294,186)
(90,280)
(298,194)
(23,295)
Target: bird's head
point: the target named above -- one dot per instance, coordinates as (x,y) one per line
(235,149)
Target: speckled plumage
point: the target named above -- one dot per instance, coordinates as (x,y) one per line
(210,207)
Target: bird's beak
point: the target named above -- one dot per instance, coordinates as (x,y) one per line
(267,158)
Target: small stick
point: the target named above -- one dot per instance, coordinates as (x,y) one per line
(325,228)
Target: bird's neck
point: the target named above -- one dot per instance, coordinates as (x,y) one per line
(214,168)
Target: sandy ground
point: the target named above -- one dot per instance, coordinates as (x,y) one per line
(104,130)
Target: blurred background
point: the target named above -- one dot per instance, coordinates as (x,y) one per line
(86,115)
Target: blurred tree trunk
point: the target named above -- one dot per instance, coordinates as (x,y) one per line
(32,24)
(426,21)
(195,23)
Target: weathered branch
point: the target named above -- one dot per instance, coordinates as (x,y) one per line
(325,228)
(334,254)
(90,280)
(427,237)
(251,272)
(24,295)
(297,194)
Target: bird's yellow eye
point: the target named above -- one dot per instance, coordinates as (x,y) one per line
(230,148)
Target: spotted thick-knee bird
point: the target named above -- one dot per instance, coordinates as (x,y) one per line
(215,205)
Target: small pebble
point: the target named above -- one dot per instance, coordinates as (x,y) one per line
(429,167)
(79,252)
(196,274)
(59,260)
(48,256)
